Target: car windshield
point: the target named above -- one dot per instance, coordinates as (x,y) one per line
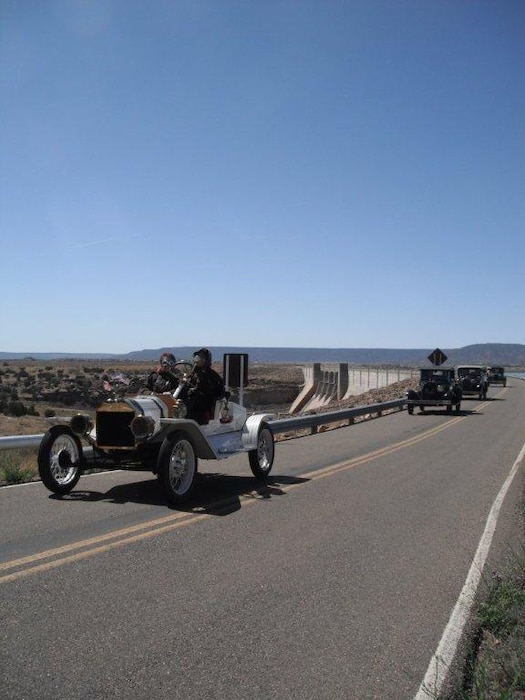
(436,375)
(466,371)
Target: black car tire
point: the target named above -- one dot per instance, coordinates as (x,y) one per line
(60,459)
(177,467)
(261,459)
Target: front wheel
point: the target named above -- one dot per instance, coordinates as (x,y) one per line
(60,460)
(261,459)
(177,465)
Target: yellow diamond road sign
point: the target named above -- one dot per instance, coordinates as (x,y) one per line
(437,357)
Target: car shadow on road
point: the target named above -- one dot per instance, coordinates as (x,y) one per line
(441,412)
(215,493)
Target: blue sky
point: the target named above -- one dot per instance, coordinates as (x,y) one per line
(313,173)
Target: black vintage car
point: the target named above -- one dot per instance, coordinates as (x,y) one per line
(437,387)
(473,380)
(497,376)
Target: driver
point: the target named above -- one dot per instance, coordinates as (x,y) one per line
(166,376)
(203,388)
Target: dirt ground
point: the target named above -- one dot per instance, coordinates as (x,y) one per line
(261,377)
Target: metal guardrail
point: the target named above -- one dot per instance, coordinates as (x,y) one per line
(15,442)
(281,425)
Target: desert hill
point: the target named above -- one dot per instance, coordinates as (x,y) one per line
(506,354)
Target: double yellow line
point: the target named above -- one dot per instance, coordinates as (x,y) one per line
(76,551)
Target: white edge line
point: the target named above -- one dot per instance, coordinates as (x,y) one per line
(38,481)
(440,663)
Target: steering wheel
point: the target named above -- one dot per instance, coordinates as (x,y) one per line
(184,366)
(164,380)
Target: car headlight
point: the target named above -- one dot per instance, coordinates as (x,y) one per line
(142,427)
(179,410)
(81,424)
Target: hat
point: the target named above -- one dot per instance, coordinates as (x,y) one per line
(205,354)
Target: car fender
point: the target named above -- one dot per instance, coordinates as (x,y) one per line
(202,446)
(60,426)
(251,429)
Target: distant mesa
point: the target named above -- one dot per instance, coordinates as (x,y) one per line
(505,354)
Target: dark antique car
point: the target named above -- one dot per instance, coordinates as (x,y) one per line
(473,380)
(437,387)
(149,431)
(497,376)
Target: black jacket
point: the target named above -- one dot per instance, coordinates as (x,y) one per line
(204,387)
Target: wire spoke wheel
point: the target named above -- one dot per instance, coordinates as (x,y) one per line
(60,460)
(261,459)
(177,467)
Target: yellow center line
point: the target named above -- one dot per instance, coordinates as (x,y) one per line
(89,542)
(97,550)
(136,533)
(381,452)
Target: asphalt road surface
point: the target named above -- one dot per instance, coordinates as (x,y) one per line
(334,581)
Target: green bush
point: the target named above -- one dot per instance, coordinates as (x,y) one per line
(12,469)
(16,409)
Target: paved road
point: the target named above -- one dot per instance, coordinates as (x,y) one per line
(336,581)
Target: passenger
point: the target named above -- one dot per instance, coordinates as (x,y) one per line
(166,376)
(203,388)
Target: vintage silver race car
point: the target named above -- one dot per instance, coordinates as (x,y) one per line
(143,432)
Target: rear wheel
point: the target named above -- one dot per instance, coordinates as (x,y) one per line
(261,459)
(60,459)
(177,465)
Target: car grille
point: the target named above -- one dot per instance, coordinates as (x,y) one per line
(429,391)
(113,429)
